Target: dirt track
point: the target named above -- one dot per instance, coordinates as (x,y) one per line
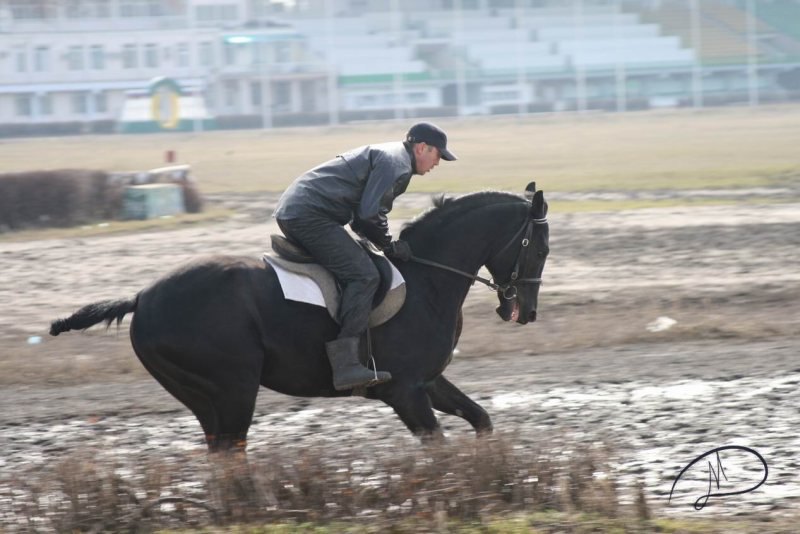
(725,373)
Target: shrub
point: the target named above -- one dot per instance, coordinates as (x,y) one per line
(67,197)
(55,198)
(468,481)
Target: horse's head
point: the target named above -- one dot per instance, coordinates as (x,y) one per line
(517,266)
(494,229)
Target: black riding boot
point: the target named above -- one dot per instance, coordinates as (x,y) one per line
(348,372)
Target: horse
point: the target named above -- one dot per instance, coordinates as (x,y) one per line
(215,330)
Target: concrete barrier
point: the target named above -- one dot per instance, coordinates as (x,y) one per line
(149,201)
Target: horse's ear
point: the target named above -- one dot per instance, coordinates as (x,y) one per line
(538,205)
(530,190)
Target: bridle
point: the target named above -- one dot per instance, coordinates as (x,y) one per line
(509,289)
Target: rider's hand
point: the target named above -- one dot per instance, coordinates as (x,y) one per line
(399,250)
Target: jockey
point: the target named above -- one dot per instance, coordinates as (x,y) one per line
(356,187)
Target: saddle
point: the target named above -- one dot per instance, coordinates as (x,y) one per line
(304,280)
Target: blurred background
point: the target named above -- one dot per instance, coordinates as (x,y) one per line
(80,66)
(664,133)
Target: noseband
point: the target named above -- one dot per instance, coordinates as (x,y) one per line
(509,289)
(522,255)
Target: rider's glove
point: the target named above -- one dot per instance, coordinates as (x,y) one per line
(399,250)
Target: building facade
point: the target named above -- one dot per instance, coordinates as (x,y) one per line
(71,65)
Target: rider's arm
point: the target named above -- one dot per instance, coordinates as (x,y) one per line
(376,200)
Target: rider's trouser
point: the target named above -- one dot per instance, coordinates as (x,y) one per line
(331,245)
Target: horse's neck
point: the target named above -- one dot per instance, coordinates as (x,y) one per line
(468,248)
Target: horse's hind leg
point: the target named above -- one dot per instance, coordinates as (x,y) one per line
(223,401)
(413,406)
(449,399)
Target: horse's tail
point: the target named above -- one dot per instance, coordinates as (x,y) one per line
(91,314)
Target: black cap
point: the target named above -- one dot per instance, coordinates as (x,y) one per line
(430,134)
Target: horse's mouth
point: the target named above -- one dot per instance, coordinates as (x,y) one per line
(509,311)
(512,313)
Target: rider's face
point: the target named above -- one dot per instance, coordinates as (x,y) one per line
(427,157)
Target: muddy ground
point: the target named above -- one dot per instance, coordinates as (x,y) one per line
(598,366)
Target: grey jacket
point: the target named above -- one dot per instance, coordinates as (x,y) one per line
(358,186)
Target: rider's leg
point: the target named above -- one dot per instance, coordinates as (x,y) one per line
(331,245)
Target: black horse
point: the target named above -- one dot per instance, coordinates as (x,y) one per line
(215,330)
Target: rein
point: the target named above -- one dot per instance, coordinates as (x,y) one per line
(527,228)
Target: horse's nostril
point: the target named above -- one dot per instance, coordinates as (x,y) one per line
(532,316)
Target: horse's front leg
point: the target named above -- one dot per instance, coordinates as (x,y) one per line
(449,399)
(413,406)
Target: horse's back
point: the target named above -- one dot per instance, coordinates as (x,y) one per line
(225,312)
(209,270)
(201,297)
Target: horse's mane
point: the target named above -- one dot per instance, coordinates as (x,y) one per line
(445,206)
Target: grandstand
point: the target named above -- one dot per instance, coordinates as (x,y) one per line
(518,58)
(544,48)
(779,28)
(721,35)
(269,63)
(553,38)
(355,47)
(783,15)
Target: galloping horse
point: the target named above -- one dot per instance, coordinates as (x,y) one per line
(215,330)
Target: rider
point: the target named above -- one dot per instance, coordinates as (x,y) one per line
(356,187)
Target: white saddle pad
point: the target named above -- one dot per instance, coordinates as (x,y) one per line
(303,288)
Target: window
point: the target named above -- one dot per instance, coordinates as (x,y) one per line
(84,9)
(75,9)
(259,53)
(130,53)
(140,8)
(363,101)
(204,13)
(29,9)
(211,96)
(75,57)
(282,96)
(231,93)
(228,12)
(97,57)
(21,58)
(417,98)
(100,102)
(41,59)
(308,96)
(80,104)
(230,53)
(151,56)
(283,52)
(22,105)
(216,12)
(262,9)
(502,96)
(182,51)
(45,102)
(206,54)
(255,94)
(102,8)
